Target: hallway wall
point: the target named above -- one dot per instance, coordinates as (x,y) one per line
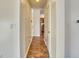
(46,13)
(50,28)
(26,27)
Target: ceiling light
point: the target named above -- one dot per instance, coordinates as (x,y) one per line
(23,1)
(37,0)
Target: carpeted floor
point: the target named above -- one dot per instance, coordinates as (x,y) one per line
(38,48)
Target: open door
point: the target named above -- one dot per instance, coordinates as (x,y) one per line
(55,28)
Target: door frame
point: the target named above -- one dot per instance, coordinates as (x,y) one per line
(60,28)
(60,31)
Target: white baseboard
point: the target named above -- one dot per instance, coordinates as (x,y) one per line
(28,48)
(45,43)
(48,47)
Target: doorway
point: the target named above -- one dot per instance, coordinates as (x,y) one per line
(38,48)
(42,27)
(59,34)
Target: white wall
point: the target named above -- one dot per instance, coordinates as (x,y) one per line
(36,22)
(67,27)
(60,28)
(26,26)
(53,29)
(9,28)
(74,29)
(46,22)
(50,28)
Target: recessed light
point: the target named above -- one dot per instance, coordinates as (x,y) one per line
(37,0)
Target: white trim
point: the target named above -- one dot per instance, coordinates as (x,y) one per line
(45,43)
(17,25)
(50,54)
(28,48)
(60,28)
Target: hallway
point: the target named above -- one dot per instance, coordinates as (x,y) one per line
(20,26)
(38,48)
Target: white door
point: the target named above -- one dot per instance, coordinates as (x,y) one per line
(55,27)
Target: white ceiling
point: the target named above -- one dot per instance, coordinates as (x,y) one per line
(39,4)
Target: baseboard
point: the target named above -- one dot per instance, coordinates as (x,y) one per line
(45,43)
(28,48)
(48,48)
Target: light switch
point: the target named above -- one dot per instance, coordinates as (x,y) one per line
(11,26)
